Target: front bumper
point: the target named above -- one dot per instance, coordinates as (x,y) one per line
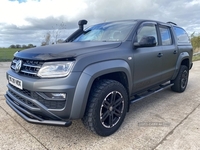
(30,117)
(33,108)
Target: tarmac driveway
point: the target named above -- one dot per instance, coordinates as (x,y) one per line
(163,121)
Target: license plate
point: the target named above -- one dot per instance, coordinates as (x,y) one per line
(15,82)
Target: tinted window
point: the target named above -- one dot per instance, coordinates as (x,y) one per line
(147,30)
(165,36)
(181,35)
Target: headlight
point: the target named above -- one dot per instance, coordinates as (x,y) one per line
(55,69)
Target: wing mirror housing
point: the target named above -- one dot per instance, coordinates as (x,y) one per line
(146,41)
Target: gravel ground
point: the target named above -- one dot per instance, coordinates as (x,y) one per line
(163,121)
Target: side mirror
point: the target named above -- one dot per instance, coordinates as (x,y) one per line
(146,41)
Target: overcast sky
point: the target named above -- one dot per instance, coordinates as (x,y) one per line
(27,21)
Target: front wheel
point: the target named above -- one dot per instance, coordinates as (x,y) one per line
(107,107)
(180,82)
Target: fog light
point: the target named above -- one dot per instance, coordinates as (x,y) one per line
(56,95)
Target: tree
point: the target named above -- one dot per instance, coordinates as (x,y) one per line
(24,46)
(195,40)
(17,46)
(57,31)
(43,43)
(30,45)
(54,36)
(12,46)
(47,39)
(60,41)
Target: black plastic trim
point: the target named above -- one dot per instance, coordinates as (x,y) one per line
(29,117)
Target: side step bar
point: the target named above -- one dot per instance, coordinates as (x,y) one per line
(149,92)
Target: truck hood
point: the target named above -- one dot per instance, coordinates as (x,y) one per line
(64,50)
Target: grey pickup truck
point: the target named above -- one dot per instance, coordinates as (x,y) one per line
(98,72)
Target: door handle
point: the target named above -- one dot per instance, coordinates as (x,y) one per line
(175,52)
(160,55)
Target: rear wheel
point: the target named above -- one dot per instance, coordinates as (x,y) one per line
(180,83)
(106,108)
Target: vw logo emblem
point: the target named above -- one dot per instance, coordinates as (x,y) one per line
(18,65)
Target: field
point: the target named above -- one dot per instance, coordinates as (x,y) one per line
(6,54)
(196,57)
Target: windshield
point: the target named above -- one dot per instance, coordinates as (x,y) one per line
(115,31)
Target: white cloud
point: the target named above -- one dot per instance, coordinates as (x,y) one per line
(13,12)
(21,23)
(194,2)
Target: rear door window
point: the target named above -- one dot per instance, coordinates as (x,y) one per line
(165,35)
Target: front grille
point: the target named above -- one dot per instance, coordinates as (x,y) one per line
(50,104)
(24,91)
(28,68)
(23,100)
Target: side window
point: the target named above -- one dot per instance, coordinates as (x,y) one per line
(181,35)
(147,30)
(165,36)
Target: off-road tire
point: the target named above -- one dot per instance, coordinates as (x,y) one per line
(180,82)
(106,108)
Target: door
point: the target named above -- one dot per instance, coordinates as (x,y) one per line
(169,51)
(147,60)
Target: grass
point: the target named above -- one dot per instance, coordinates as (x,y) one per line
(196,57)
(6,54)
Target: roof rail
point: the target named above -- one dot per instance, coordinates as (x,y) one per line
(171,23)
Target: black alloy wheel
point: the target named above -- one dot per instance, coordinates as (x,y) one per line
(106,107)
